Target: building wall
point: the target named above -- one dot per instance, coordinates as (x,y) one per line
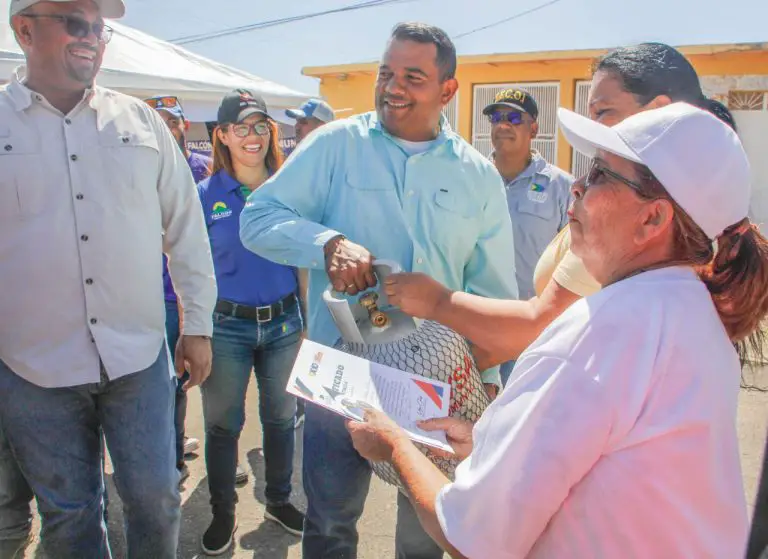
(354,90)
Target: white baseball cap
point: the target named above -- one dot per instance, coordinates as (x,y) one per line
(697,158)
(112,9)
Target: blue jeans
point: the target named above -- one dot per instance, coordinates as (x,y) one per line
(180,407)
(336,481)
(15,497)
(269,349)
(55,434)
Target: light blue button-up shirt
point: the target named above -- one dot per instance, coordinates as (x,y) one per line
(442,212)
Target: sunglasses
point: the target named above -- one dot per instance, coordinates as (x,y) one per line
(168,102)
(513,117)
(242,130)
(598,173)
(77,27)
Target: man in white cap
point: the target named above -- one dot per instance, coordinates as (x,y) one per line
(94,191)
(310,116)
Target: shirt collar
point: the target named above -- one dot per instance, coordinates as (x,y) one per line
(229,183)
(537,166)
(22,97)
(446,134)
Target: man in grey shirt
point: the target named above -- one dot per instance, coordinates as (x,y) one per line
(538,193)
(93,190)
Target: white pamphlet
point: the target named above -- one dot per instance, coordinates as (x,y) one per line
(347,385)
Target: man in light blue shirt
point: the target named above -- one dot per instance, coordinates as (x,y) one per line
(400,185)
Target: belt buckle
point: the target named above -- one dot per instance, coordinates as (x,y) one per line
(258,314)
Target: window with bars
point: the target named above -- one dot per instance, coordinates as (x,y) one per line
(451,112)
(579,161)
(547,95)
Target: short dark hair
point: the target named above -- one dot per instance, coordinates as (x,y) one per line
(429,34)
(648,70)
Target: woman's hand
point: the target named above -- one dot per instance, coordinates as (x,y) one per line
(458,432)
(377,436)
(416,294)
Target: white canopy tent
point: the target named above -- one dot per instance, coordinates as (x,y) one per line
(142,65)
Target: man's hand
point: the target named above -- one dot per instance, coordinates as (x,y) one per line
(193,354)
(458,433)
(416,294)
(349,266)
(375,439)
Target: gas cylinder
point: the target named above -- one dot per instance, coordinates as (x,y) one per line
(373,329)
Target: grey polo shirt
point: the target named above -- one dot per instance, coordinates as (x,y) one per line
(538,200)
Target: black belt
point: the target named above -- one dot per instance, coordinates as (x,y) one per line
(259,314)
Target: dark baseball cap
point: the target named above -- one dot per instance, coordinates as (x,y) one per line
(239,105)
(516,99)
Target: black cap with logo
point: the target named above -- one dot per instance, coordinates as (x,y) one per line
(516,99)
(239,105)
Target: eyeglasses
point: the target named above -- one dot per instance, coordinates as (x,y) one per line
(78,27)
(513,117)
(242,130)
(168,102)
(597,171)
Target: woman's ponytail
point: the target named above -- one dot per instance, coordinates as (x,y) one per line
(737,279)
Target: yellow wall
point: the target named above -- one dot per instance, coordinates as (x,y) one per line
(353,90)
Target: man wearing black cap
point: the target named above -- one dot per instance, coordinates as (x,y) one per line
(538,193)
(95,190)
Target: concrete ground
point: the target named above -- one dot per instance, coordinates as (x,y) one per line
(257,538)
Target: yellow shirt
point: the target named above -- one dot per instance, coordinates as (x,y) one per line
(559,263)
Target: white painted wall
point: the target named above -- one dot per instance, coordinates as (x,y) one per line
(753,130)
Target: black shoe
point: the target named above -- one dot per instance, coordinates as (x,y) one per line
(220,534)
(286,516)
(183,474)
(241,475)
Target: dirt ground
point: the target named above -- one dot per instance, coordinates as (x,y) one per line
(258,538)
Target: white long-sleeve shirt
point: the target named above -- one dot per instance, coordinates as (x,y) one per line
(89,201)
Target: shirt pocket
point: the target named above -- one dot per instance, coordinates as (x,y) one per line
(544,210)
(453,204)
(22,190)
(131,159)
(455,223)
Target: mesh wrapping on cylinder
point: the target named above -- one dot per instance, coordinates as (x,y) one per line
(435,352)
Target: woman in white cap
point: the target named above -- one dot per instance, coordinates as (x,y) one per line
(617,435)
(625,81)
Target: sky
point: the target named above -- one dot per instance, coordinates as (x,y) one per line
(279,53)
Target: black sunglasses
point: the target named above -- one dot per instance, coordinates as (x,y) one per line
(513,117)
(596,171)
(78,27)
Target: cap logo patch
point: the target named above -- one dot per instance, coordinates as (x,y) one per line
(511,94)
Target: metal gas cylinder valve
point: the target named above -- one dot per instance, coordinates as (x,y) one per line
(369,302)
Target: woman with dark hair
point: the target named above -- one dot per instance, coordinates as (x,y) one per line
(625,81)
(616,437)
(257,323)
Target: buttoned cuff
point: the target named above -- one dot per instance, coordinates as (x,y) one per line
(196,324)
